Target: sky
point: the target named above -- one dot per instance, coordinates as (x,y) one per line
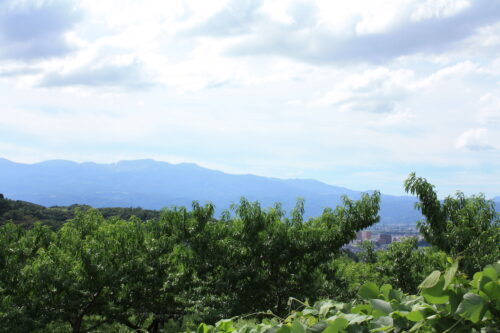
(352,93)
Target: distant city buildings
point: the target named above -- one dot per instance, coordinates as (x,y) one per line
(364,235)
(384,235)
(385,239)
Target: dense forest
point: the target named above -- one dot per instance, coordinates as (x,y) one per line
(27,213)
(78,269)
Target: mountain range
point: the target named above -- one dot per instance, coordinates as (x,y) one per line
(151,184)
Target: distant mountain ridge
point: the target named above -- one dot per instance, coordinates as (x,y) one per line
(153,185)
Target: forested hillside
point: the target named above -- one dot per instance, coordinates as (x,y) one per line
(261,267)
(27,213)
(153,185)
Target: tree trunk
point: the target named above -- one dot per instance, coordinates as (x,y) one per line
(155,325)
(76,325)
(158,322)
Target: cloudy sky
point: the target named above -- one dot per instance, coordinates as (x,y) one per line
(353,93)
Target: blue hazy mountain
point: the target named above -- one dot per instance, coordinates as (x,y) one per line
(153,185)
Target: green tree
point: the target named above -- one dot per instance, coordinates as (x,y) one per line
(367,253)
(80,275)
(466,227)
(97,273)
(166,288)
(4,205)
(259,259)
(18,248)
(404,265)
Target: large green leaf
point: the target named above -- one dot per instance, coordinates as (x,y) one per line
(455,300)
(362,309)
(492,289)
(382,324)
(283,329)
(225,325)
(337,325)
(471,307)
(318,327)
(369,290)
(450,274)
(431,280)
(436,294)
(417,326)
(415,316)
(297,327)
(496,266)
(325,307)
(309,311)
(490,272)
(381,305)
(203,328)
(355,318)
(386,290)
(476,278)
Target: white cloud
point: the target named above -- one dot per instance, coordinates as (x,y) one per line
(438,8)
(450,72)
(375,90)
(32,30)
(396,120)
(128,74)
(474,139)
(489,109)
(370,32)
(384,90)
(486,36)
(60,127)
(260,86)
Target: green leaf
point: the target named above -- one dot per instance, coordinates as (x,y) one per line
(431,280)
(356,318)
(450,274)
(225,325)
(325,307)
(496,266)
(284,329)
(369,290)
(382,324)
(297,328)
(386,291)
(317,328)
(476,278)
(309,311)
(471,307)
(436,294)
(362,309)
(417,326)
(395,294)
(203,328)
(492,290)
(381,305)
(415,316)
(337,325)
(490,272)
(455,300)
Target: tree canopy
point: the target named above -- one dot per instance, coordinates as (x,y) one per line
(109,271)
(464,227)
(95,271)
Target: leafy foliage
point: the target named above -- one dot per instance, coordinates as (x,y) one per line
(95,272)
(27,213)
(460,226)
(471,306)
(166,273)
(404,264)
